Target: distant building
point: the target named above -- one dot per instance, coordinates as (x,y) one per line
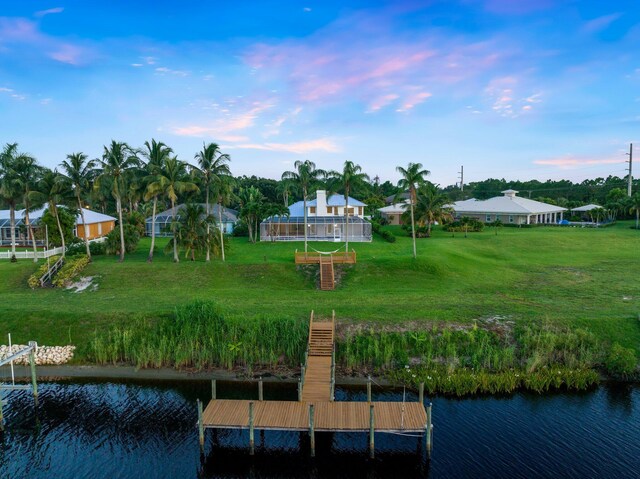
(393,213)
(326,221)
(97,225)
(164,219)
(509,209)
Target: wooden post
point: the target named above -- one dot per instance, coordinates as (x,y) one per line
(213,389)
(200,426)
(429,431)
(251,433)
(299,390)
(302,371)
(312,434)
(421,393)
(371,432)
(260,396)
(32,363)
(369,389)
(333,374)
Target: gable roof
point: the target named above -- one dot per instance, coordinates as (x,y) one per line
(90,216)
(586,207)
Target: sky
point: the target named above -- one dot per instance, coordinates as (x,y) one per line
(527,89)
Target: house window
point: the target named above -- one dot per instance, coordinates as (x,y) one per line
(312,209)
(391,217)
(350,211)
(360,210)
(510,218)
(488,218)
(335,210)
(329,209)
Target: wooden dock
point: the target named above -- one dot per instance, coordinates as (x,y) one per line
(316,409)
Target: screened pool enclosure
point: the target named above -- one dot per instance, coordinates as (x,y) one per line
(319,228)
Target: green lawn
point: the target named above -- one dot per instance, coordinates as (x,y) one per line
(583,277)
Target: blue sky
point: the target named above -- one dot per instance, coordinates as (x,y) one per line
(516,89)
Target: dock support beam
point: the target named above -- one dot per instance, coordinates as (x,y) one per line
(371,432)
(369,389)
(429,432)
(251,432)
(213,389)
(299,389)
(312,433)
(200,427)
(332,393)
(32,363)
(421,393)
(260,396)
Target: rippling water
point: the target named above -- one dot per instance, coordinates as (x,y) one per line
(107,429)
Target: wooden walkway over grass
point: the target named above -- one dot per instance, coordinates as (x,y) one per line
(316,409)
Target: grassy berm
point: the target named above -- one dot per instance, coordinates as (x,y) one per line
(545,279)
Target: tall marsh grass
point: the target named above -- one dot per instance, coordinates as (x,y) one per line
(201,335)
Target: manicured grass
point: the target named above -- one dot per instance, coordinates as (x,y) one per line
(585,278)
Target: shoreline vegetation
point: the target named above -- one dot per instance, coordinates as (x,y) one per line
(452,361)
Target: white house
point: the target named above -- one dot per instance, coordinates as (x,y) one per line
(509,208)
(326,221)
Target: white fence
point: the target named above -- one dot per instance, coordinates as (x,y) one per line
(29,254)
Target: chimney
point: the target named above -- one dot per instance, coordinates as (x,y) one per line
(321,203)
(509,193)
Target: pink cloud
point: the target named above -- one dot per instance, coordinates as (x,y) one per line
(362,58)
(321,144)
(572,162)
(20,32)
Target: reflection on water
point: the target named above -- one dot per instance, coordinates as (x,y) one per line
(109,429)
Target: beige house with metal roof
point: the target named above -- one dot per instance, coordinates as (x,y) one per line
(510,209)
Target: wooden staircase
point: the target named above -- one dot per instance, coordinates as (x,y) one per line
(327,280)
(317,385)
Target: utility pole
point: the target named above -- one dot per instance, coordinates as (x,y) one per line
(630,177)
(461,173)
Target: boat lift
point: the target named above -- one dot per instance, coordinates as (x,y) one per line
(31,351)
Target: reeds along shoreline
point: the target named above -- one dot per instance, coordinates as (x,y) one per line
(472,360)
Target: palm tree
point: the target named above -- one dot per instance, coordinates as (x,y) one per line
(191,232)
(51,189)
(9,189)
(26,173)
(156,155)
(117,160)
(351,177)
(172,180)
(412,177)
(285,188)
(212,165)
(223,190)
(431,205)
(272,210)
(305,176)
(635,206)
(251,208)
(79,173)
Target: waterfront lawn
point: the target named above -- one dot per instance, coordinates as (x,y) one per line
(569,276)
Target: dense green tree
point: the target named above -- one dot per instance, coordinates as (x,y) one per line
(431,206)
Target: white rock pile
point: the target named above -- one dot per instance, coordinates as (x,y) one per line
(44,355)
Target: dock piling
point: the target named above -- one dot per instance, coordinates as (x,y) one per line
(213,389)
(299,390)
(32,363)
(200,426)
(421,393)
(312,434)
(429,432)
(251,431)
(302,371)
(260,395)
(369,389)
(371,432)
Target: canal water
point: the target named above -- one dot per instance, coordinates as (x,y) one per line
(123,429)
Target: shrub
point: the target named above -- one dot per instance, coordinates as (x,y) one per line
(240,229)
(70,270)
(131,239)
(34,279)
(386,235)
(621,361)
(67,221)
(471,225)
(137,219)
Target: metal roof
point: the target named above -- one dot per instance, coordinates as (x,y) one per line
(505,205)
(315,220)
